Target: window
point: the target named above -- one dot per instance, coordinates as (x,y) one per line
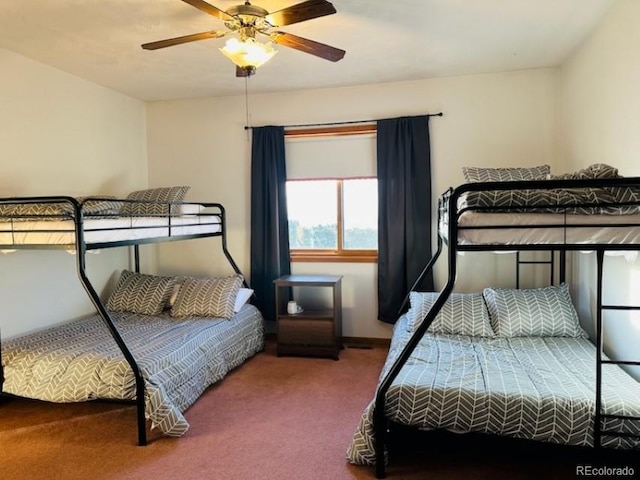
(333,219)
(332,193)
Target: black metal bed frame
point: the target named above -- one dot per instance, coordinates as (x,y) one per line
(447,208)
(81,247)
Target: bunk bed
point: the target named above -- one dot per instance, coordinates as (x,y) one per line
(158,342)
(468,363)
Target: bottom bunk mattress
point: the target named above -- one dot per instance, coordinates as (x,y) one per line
(178,358)
(539,388)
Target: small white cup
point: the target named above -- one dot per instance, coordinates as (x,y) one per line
(293,308)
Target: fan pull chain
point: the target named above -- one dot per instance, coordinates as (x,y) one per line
(246,103)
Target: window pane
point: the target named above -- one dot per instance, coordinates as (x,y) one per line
(313,214)
(360,198)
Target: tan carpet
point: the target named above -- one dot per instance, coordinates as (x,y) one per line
(273,418)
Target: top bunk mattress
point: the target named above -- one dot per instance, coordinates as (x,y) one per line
(475,228)
(106,230)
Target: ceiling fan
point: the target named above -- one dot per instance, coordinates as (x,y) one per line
(249,20)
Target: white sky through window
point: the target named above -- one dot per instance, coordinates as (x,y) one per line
(314,202)
(360,198)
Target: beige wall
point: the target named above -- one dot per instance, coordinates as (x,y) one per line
(489,120)
(61,135)
(600,123)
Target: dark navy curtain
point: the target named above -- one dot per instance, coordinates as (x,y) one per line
(404,210)
(269,230)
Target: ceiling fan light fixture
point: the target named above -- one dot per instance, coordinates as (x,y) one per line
(248,53)
(246,21)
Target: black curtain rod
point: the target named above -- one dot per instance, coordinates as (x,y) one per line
(333,124)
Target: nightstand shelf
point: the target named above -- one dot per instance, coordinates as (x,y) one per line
(312,332)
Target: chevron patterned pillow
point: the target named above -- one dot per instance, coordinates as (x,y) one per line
(544,312)
(157,201)
(45,211)
(207,297)
(140,293)
(462,314)
(105,205)
(505,174)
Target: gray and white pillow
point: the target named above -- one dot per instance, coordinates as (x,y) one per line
(103,206)
(44,211)
(505,174)
(542,312)
(155,201)
(207,297)
(596,170)
(462,314)
(141,293)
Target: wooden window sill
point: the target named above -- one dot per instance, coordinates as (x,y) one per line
(334,257)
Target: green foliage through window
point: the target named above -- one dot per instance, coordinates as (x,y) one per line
(316,236)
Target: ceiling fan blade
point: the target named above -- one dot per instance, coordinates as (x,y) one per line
(308,46)
(300,12)
(179,40)
(210,9)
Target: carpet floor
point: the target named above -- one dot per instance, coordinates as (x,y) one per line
(272,418)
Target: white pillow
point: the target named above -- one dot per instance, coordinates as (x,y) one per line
(243,296)
(190,209)
(174,292)
(461,314)
(543,312)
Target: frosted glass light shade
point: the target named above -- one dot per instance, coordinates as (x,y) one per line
(248,53)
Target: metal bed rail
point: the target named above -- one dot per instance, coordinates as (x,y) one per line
(12,223)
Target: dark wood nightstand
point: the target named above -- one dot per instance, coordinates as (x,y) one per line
(311,332)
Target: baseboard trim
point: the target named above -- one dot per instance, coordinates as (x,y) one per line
(350,342)
(365,342)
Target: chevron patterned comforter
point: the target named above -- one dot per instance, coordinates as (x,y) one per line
(584,201)
(178,358)
(540,388)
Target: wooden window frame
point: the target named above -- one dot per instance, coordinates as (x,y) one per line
(339,254)
(339,131)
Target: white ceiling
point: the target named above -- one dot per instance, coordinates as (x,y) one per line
(386,41)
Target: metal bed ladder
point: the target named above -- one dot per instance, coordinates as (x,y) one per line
(550,261)
(598,430)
